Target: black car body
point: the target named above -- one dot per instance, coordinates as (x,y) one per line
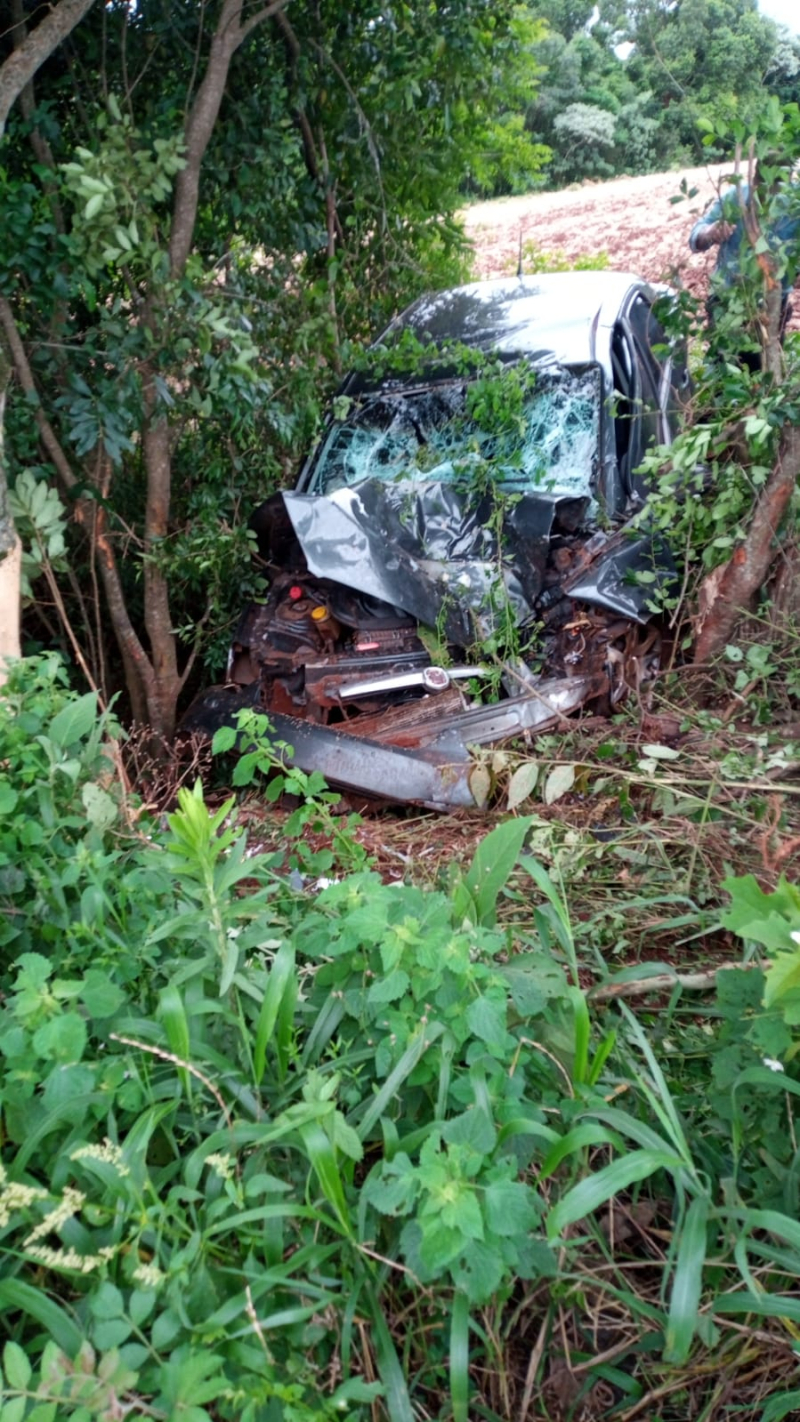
(422,534)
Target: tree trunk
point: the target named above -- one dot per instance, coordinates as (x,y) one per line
(162,695)
(729,591)
(10,552)
(16,74)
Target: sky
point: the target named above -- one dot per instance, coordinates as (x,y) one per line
(786,12)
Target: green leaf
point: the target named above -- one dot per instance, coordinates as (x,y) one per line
(62,1039)
(510,1208)
(781,1405)
(141,1305)
(782,976)
(99,995)
(687,1283)
(224,739)
(93,206)
(474,1129)
(8,799)
(389,988)
(165,1330)
(107,1302)
(111,1332)
(101,810)
(75,721)
(486,1020)
(392,1188)
(762,918)
(17,1369)
(494,860)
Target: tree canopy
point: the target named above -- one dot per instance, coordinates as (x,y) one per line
(204,208)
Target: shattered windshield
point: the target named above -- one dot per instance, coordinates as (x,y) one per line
(443,434)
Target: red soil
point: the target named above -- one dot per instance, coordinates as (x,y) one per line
(631,220)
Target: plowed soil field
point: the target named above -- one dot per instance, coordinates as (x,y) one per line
(631,220)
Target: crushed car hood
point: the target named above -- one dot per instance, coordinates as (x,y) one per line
(430,550)
(435,553)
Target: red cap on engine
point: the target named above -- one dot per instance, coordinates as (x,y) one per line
(295,593)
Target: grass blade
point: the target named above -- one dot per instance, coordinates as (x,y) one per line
(19,1297)
(589,1194)
(772,1221)
(459,1357)
(397,1401)
(687,1283)
(395,1079)
(280,973)
(323,1160)
(172,1013)
(494,860)
(589,1133)
(783,1306)
(580,1060)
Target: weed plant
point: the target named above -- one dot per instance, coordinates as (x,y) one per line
(366,1150)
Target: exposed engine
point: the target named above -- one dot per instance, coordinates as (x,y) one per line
(318,648)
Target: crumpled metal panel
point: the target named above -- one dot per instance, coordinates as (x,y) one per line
(428,549)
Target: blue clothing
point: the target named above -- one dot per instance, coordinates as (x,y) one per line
(727,208)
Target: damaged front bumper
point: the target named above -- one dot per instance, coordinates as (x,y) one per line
(410,756)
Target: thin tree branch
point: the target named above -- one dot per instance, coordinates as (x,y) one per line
(702,981)
(20,67)
(263,14)
(25,376)
(200,122)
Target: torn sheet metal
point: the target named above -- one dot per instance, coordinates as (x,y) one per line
(416,499)
(613,578)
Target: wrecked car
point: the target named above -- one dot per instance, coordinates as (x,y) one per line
(456,565)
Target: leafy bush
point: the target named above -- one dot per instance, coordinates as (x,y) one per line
(248,1130)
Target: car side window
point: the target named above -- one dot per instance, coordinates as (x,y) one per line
(665,362)
(624,402)
(649,384)
(647,332)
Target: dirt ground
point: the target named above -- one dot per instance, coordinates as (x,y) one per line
(632,220)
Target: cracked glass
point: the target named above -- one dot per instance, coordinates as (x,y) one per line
(428,436)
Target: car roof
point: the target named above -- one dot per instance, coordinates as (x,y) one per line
(566,316)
